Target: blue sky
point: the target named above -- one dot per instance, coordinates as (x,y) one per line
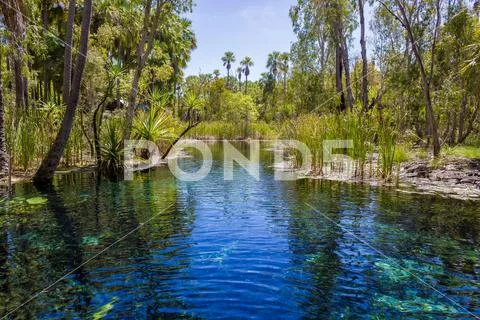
(248,28)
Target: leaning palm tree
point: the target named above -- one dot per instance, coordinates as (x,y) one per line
(273,63)
(246,63)
(283,68)
(227,60)
(44,175)
(239,77)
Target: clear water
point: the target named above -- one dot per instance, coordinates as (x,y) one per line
(243,249)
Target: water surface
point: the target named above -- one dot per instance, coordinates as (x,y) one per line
(212,249)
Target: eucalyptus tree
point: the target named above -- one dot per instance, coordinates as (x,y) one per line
(363,45)
(284,67)
(246,63)
(227,59)
(50,163)
(403,11)
(323,28)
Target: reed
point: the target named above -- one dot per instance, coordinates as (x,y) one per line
(233,131)
(386,148)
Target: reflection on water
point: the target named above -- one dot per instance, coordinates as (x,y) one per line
(236,249)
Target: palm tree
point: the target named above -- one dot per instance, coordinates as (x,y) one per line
(283,67)
(216,73)
(227,60)
(239,76)
(273,63)
(246,63)
(14,20)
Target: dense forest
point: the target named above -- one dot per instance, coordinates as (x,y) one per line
(79,78)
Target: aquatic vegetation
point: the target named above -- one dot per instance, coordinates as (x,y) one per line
(37,200)
(90,241)
(393,272)
(415,305)
(105,309)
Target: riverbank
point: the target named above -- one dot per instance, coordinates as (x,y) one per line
(450,177)
(20,177)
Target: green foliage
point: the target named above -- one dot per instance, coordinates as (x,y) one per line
(152,125)
(111,150)
(238,107)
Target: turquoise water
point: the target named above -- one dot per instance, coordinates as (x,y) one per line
(159,248)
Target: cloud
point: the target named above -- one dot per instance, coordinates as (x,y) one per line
(255,14)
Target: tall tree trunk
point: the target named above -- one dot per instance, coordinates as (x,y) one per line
(462,116)
(97,125)
(50,163)
(3,148)
(228,77)
(338,77)
(246,84)
(45,91)
(339,59)
(147,36)
(67,64)
(13,13)
(346,67)
(363,45)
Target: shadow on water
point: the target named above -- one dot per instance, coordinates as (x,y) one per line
(73,226)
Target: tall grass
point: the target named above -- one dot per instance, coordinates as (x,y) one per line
(30,133)
(313,130)
(232,131)
(470,152)
(386,149)
(367,132)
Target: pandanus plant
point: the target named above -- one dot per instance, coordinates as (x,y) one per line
(111,150)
